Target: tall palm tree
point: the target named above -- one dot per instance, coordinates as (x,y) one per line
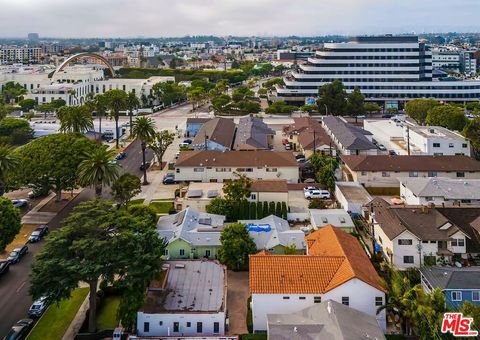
(75,119)
(132,104)
(116,101)
(98,169)
(144,129)
(8,163)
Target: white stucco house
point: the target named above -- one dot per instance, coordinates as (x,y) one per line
(335,268)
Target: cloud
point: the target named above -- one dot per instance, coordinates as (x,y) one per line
(154,18)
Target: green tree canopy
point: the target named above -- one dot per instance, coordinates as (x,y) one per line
(125,188)
(97,242)
(236,245)
(75,119)
(159,144)
(8,164)
(417,109)
(169,92)
(334,97)
(27,104)
(15,130)
(371,107)
(242,93)
(144,129)
(448,116)
(58,103)
(280,107)
(324,168)
(9,222)
(12,92)
(356,102)
(238,189)
(471,131)
(52,161)
(116,101)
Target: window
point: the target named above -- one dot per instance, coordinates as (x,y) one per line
(429,198)
(272,170)
(385,174)
(216,327)
(165,252)
(317,299)
(458,242)
(464,145)
(301,297)
(286,297)
(460,174)
(176,327)
(160,323)
(432,174)
(146,327)
(408,259)
(345,300)
(378,301)
(189,324)
(450,145)
(436,145)
(253,196)
(476,295)
(413,174)
(207,253)
(456,296)
(182,252)
(177,170)
(364,173)
(199,327)
(198,169)
(405,242)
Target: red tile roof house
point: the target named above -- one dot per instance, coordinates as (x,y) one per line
(335,267)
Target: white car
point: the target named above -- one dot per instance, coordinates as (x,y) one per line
(317,194)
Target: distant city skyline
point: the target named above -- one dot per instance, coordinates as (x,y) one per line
(160,18)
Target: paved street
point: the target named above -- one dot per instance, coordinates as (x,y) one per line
(14,298)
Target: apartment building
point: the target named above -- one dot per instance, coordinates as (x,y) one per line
(20,54)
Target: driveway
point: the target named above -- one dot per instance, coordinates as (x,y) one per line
(237,296)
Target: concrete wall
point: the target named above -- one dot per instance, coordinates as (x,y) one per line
(269,197)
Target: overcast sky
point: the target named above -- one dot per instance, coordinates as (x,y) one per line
(155,18)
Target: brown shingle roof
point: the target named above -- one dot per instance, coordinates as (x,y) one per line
(258,158)
(219,130)
(305,138)
(302,123)
(269,185)
(321,271)
(410,163)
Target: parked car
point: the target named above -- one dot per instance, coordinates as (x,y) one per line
(19,330)
(285,141)
(4,267)
(38,234)
(392,152)
(169,178)
(317,194)
(177,154)
(147,165)
(187,141)
(387,115)
(17,254)
(20,203)
(183,145)
(309,188)
(120,156)
(374,141)
(381,147)
(37,308)
(288,147)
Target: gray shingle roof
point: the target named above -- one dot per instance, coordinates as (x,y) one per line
(252,133)
(452,277)
(453,189)
(219,130)
(351,137)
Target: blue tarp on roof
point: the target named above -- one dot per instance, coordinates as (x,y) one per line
(259,227)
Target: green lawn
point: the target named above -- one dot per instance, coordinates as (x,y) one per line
(161,207)
(137,201)
(58,317)
(107,315)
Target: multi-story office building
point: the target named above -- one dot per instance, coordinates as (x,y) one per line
(388,69)
(468,63)
(446,59)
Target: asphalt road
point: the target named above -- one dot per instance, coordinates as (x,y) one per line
(14,286)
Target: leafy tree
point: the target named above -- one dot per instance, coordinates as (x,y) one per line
(132,103)
(58,103)
(9,222)
(324,168)
(333,97)
(247,106)
(316,203)
(236,245)
(253,211)
(86,249)
(12,92)
(27,104)
(52,161)
(371,107)
(98,104)
(447,116)
(220,102)
(75,119)
(270,84)
(238,189)
(265,210)
(116,101)
(144,130)
(271,208)
(218,206)
(46,108)
(417,109)
(195,96)
(280,107)
(309,108)
(98,169)
(125,188)
(169,92)
(290,249)
(5,109)
(356,102)
(8,164)
(473,311)
(242,93)
(160,143)
(471,131)
(15,130)
(284,211)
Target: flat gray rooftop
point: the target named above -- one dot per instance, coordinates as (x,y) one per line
(192,286)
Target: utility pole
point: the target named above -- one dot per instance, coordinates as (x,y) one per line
(408,140)
(326,109)
(314,143)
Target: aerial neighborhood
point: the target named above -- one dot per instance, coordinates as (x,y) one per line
(234,188)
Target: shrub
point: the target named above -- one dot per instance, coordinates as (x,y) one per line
(253,211)
(284,211)
(278,209)
(265,209)
(259,210)
(271,208)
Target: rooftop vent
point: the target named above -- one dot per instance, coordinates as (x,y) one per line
(180,265)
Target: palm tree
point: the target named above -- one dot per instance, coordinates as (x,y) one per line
(8,163)
(116,101)
(75,119)
(132,104)
(98,169)
(144,129)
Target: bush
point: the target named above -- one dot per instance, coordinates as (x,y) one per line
(265,209)
(278,209)
(316,203)
(280,107)
(271,208)
(284,211)
(253,211)
(259,210)
(245,211)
